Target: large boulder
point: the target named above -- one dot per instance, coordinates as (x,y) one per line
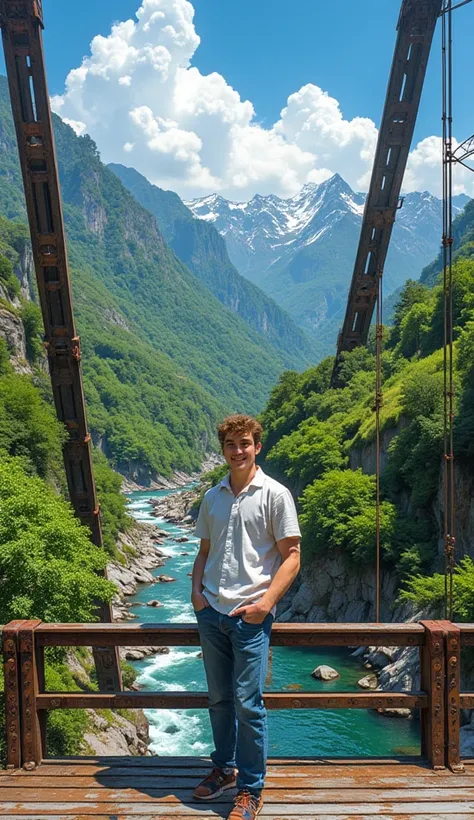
(324,672)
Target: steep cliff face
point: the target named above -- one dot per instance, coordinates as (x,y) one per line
(334,590)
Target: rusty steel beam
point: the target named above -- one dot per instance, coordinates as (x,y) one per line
(200,700)
(415,27)
(316,634)
(22,24)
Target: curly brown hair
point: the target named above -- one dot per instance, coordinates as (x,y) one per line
(238,423)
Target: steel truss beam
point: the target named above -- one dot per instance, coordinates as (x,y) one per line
(22,24)
(416,27)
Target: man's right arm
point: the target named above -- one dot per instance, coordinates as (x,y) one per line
(199,601)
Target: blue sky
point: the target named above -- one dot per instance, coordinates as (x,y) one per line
(267,50)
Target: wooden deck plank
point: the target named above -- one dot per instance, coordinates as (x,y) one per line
(114,810)
(161,788)
(304,796)
(213,816)
(284,780)
(324,768)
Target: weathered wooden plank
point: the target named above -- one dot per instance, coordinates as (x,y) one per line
(124,811)
(287,780)
(334,771)
(65,774)
(214,815)
(104,795)
(199,700)
(187,634)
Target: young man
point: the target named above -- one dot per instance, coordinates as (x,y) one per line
(248,558)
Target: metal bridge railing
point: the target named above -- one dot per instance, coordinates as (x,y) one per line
(439,699)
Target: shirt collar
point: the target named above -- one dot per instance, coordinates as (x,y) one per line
(257,480)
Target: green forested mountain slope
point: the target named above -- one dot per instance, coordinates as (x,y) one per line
(163,357)
(314,434)
(200,246)
(463,245)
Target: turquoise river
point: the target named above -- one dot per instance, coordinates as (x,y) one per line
(291,732)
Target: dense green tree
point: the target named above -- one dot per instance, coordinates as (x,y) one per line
(48,565)
(338,514)
(306,454)
(428,592)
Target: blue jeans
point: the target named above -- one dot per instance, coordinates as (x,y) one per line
(235,657)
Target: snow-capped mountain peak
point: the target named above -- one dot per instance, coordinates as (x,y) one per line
(301,250)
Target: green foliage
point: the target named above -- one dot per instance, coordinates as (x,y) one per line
(338,513)
(129,674)
(113,505)
(28,427)
(428,593)
(413,294)
(5,366)
(33,324)
(306,454)
(7,277)
(65,728)
(464,420)
(48,565)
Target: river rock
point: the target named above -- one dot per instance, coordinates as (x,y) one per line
(154,603)
(182,539)
(393,712)
(137,653)
(368,682)
(165,579)
(324,672)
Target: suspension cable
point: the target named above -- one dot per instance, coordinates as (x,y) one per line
(448,403)
(378,407)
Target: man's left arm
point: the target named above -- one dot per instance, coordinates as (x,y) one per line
(290,554)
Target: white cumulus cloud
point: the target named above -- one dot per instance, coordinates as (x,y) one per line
(138,95)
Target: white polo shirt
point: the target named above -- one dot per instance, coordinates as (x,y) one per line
(243,531)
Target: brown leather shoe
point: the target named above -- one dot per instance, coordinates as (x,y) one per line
(216,782)
(246,806)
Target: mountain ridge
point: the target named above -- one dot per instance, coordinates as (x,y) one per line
(200,246)
(301,250)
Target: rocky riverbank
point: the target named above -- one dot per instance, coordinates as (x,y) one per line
(178,479)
